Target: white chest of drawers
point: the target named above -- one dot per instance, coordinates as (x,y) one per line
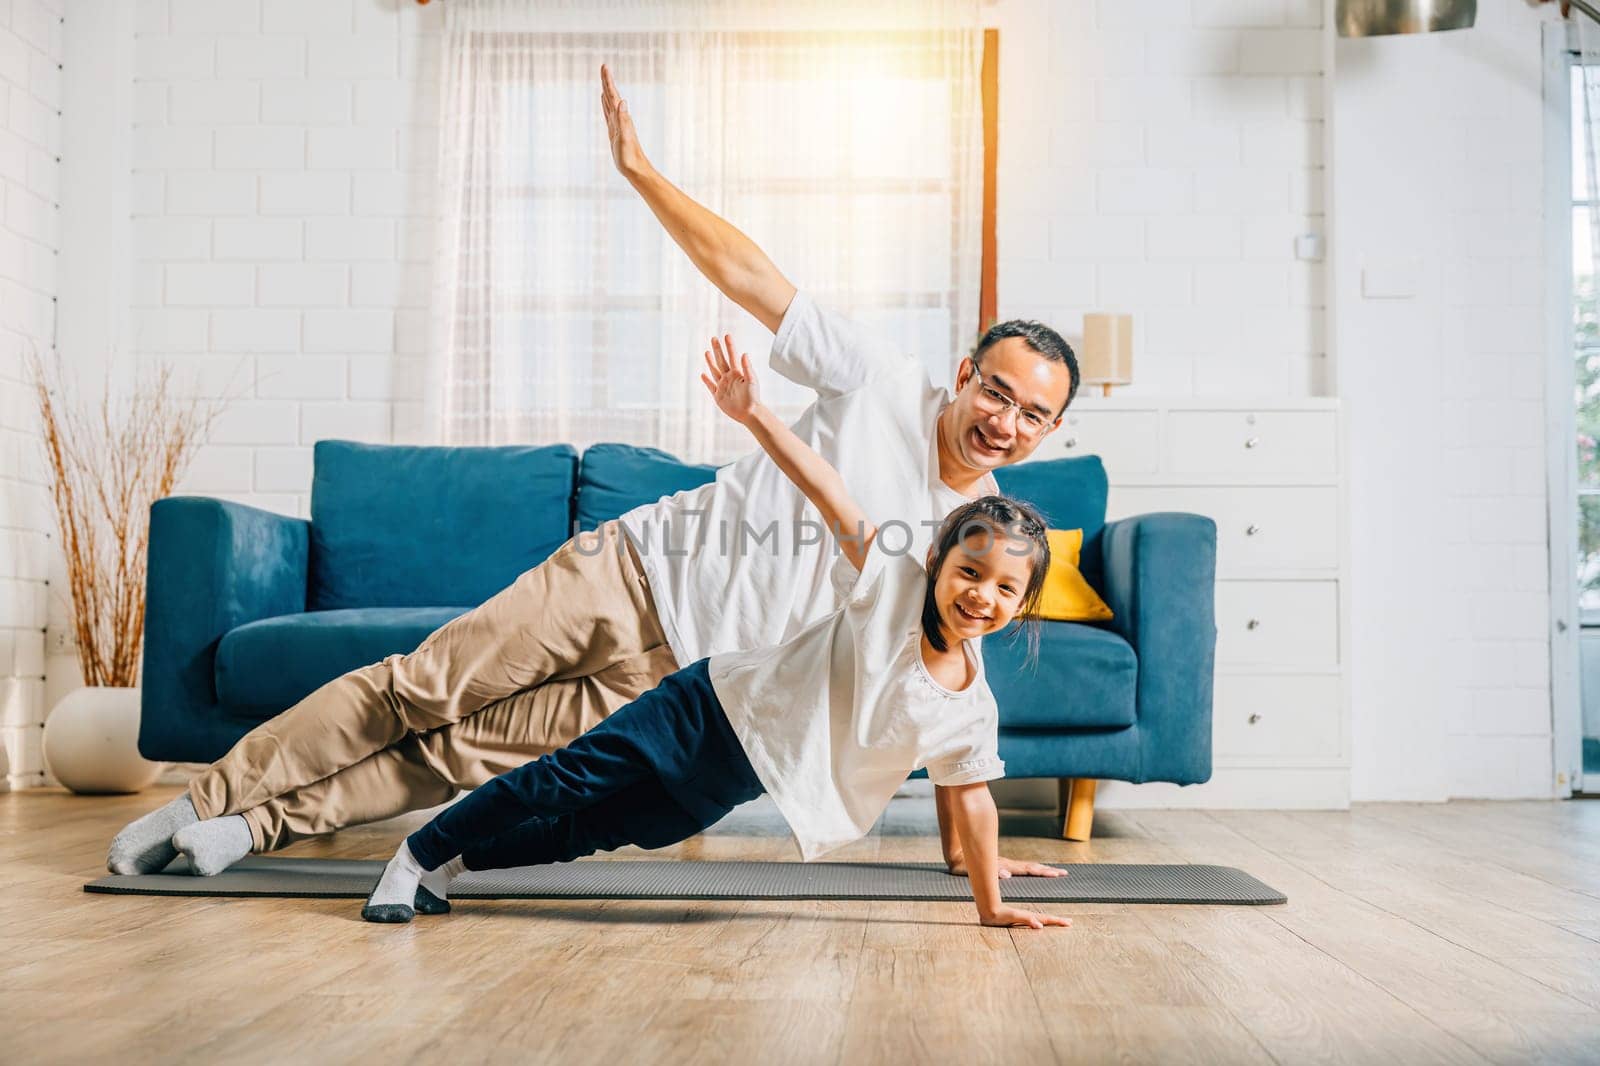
(1270,473)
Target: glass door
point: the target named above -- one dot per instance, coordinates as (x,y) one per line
(1586,401)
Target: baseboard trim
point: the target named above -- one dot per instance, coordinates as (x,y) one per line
(1237,788)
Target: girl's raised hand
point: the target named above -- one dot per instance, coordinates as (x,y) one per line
(731,383)
(1011,916)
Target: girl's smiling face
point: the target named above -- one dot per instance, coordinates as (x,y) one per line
(982,584)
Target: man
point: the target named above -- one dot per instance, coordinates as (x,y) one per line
(739,563)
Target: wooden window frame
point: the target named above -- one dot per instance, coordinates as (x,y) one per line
(991,144)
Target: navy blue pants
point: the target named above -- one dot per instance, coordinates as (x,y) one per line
(659,770)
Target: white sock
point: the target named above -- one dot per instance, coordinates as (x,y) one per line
(396,899)
(438,881)
(398,885)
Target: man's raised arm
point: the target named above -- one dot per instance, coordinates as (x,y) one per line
(729,260)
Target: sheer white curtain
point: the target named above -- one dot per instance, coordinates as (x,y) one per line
(844,136)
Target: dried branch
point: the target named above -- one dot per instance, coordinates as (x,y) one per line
(104,475)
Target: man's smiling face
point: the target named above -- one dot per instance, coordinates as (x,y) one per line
(984,437)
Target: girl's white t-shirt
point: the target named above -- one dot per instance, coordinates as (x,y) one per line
(743,562)
(835,718)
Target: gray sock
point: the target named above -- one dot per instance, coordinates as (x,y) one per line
(145,844)
(214,844)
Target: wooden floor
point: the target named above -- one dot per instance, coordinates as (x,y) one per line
(1465,933)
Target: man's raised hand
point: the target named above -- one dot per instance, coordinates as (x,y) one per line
(625,150)
(731,382)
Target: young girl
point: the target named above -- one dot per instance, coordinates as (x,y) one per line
(830,722)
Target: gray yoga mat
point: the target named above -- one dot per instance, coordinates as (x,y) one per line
(667,879)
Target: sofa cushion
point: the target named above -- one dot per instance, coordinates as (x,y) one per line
(1084,679)
(404,526)
(1066,596)
(616,478)
(1072,495)
(270,665)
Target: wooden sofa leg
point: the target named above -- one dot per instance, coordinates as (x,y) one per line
(1077,805)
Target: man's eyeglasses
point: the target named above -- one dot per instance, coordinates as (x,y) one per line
(992,401)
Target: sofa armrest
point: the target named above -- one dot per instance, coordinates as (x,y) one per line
(213,566)
(1160,577)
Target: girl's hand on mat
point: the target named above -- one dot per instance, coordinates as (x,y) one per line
(732,384)
(1012,868)
(1011,916)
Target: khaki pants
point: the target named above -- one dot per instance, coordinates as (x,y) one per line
(528,671)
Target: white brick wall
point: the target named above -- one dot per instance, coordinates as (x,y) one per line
(1160,159)
(1445,398)
(1156,163)
(1156,158)
(281,149)
(30,135)
(1500,725)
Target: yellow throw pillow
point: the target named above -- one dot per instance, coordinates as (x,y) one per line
(1067,597)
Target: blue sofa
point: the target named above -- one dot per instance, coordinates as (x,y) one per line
(248,611)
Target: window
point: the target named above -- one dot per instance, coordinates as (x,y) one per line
(854,159)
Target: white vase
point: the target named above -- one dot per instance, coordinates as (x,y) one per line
(91,741)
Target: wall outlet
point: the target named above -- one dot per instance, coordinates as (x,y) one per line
(59,642)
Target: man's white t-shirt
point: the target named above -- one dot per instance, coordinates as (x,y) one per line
(835,718)
(743,561)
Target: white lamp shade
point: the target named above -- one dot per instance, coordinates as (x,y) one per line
(1106,356)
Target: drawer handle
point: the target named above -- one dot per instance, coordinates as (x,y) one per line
(1070,442)
(1254,623)
(1252,442)
(1254,718)
(1252,530)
